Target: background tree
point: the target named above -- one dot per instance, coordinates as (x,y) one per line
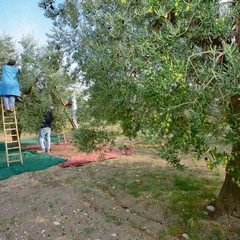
(168,68)
(40,78)
(7,49)
(43,82)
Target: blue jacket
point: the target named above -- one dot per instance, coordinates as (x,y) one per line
(9,84)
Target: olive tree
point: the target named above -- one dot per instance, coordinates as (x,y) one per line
(42,81)
(167,68)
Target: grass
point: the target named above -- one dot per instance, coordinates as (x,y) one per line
(181,195)
(88,230)
(184,194)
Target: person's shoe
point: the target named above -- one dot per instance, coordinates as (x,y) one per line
(40,151)
(47,151)
(11,110)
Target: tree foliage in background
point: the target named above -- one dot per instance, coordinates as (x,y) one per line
(43,83)
(167,68)
(8,49)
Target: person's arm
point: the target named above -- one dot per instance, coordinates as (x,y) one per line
(70,103)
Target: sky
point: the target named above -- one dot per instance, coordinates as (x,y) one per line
(20,18)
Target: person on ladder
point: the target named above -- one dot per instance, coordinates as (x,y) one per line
(9,88)
(72,107)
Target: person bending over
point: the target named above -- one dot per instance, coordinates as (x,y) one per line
(44,135)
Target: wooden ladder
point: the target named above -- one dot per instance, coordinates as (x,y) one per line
(61,136)
(11,135)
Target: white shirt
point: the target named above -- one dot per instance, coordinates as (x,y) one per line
(73,107)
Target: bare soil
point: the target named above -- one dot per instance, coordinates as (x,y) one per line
(76,203)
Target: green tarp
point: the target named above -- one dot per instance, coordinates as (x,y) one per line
(32,161)
(31,141)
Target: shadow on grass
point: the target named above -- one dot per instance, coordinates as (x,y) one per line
(182,195)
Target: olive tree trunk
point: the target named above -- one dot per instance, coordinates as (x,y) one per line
(228,200)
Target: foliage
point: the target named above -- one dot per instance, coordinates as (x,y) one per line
(40,80)
(155,66)
(91,139)
(7,49)
(43,83)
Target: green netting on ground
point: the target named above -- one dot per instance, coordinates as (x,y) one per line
(32,161)
(30,141)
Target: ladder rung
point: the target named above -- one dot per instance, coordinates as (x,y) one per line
(8,110)
(13,154)
(18,160)
(13,148)
(13,135)
(7,129)
(12,141)
(7,117)
(6,123)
